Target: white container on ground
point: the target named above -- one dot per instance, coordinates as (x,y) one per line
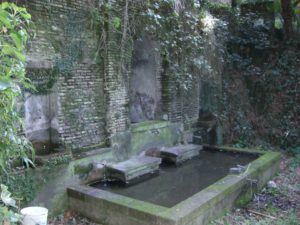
(34,216)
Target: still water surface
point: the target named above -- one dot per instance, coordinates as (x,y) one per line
(175,184)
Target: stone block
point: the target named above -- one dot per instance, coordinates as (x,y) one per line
(180,153)
(134,168)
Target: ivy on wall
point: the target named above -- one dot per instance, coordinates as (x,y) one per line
(179,31)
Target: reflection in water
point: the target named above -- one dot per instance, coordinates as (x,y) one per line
(175,184)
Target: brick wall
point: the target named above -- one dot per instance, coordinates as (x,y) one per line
(180,106)
(92,94)
(66,43)
(116,76)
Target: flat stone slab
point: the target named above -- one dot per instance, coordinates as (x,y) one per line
(134,168)
(180,153)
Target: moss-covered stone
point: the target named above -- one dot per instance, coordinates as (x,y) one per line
(152,134)
(53,193)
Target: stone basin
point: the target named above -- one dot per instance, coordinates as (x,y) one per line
(219,195)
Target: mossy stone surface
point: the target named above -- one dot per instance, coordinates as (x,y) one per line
(53,193)
(153,134)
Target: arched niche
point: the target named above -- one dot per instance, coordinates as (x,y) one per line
(145,82)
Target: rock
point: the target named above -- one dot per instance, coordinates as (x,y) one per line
(97,173)
(235,170)
(294,189)
(271,184)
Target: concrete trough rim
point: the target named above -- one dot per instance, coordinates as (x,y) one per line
(233,182)
(205,198)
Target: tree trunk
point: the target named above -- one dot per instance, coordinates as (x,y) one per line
(287,16)
(233,3)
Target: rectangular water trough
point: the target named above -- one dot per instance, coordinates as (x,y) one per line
(112,208)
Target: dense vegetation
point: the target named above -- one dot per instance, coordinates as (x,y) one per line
(262,85)
(14,22)
(261,76)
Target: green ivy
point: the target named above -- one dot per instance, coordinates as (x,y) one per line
(180,36)
(14,22)
(268,69)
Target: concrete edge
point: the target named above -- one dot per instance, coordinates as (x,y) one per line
(206,198)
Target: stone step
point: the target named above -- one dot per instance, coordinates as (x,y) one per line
(133,169)
(180,153)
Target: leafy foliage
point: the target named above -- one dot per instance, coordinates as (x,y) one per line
(8,216)
(179,31)
(261,79)
(14,22)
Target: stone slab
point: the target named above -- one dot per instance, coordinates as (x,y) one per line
(133,168)
(180,153)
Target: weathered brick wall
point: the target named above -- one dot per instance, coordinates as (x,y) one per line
(81,110)
(180,106)
(66,44)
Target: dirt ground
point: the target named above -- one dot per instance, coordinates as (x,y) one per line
(278,205)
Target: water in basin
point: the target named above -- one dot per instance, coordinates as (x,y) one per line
(175,184)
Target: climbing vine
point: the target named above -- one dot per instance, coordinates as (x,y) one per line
(260,84)
(14,22)
(179,31)
(176,25)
